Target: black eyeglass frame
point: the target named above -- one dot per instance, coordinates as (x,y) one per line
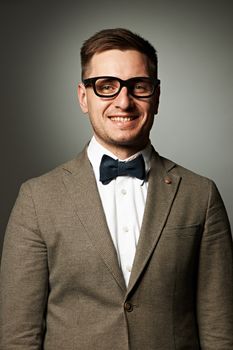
(127,83)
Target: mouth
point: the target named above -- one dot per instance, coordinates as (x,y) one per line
(124,122)
(122,119)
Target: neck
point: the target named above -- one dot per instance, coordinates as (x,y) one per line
(124,153)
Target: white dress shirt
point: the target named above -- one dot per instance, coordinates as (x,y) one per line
(123,201)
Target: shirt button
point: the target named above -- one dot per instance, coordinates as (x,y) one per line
(129,268)
(123,191)
(125,229)
(128,306)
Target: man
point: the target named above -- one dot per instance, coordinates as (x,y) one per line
(119,248)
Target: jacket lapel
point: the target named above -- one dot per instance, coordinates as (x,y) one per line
(162,189)
(81,185)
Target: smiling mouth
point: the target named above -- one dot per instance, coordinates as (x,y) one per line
(123,119)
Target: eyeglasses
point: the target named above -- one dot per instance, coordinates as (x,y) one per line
(105,86)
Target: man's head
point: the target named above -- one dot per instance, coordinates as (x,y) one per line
(119,89)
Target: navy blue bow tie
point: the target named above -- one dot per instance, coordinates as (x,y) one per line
(111,168)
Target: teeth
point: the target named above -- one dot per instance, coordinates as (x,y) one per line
(121,119)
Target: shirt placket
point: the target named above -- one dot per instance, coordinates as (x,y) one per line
(125,220)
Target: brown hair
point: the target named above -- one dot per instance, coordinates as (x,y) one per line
(121,39)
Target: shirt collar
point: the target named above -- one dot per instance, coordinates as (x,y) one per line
(95,152)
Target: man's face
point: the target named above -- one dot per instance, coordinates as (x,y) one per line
(122,123)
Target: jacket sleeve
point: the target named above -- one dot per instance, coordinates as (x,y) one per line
(24,278)
(215,278)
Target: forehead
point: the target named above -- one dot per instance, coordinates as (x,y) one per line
(122,64)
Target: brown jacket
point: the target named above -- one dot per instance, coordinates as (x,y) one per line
(61,285)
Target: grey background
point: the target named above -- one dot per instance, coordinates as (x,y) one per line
(41,122)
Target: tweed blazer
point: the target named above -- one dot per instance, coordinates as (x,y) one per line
(61,285)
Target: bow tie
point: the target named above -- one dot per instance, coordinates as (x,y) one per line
(111,168)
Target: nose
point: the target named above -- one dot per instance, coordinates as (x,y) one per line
(123,100)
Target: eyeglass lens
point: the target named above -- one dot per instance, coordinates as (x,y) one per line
(137,87)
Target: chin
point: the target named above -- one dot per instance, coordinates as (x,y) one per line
(129,142)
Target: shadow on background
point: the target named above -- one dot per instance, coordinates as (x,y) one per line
(39,128)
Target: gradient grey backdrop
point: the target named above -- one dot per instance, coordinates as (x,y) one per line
(41,122)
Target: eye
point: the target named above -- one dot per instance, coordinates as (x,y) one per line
(107,86)
(142,87)
(139,87)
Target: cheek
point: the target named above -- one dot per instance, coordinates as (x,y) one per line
(96,111)
(153,108)
(148,110)
(96,107)
(93,107)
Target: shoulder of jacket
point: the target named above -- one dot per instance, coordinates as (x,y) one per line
(55,175)
(183,172)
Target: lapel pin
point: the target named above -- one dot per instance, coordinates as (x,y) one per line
(167,180)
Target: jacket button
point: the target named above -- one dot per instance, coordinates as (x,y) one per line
(128,306)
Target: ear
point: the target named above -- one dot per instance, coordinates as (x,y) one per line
(156,99)
(82,96)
